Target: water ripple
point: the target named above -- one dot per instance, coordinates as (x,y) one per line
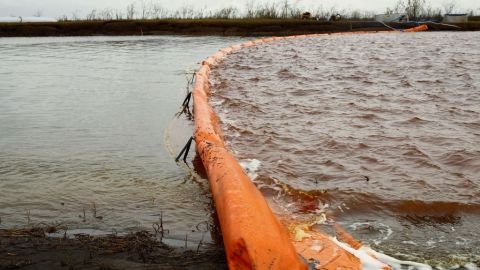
(365,124)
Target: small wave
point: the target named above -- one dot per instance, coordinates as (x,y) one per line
(417,120)
(473,125)
(285,73)
(369,159)
(462,159)
(434,208)
(370,117)
(333,164)
(221,85)
(362,202)
(377,141)
(378,231)
(242,67)
(406,83)
(413,121)
(363,145)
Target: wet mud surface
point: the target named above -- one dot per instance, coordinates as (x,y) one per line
(32,249)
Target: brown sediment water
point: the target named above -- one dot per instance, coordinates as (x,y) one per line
(380,132)
(82,124)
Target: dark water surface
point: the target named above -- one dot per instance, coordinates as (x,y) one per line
(380,131)
(82,122)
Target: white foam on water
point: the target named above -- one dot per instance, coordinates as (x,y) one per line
(368,262)
(396,264)
(460,241)
(410,243)
(373,260)
(217,103)
(387,231)
(322,208)
(471,266)
(251,167)
(383,229)
(431,243)
(227,121)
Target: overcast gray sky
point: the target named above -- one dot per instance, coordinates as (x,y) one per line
(57,8)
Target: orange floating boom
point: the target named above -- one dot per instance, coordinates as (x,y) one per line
(253,236)
(419,28)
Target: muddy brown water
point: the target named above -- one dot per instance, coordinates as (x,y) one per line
(82,124)
(379,131)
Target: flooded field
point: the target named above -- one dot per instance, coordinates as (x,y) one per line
(381,132)
(82,122)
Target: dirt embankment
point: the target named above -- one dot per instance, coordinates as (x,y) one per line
(237,27)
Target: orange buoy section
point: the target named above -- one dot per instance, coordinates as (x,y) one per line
(419,28)
(254,238)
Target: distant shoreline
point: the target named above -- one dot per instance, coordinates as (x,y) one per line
(201,27)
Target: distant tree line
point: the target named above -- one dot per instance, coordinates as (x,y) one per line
(286,9)
(422,9)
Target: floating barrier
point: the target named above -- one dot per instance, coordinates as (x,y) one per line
(419,28)
(253,236)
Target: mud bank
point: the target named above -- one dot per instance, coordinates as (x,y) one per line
(232,27)
(32,249)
